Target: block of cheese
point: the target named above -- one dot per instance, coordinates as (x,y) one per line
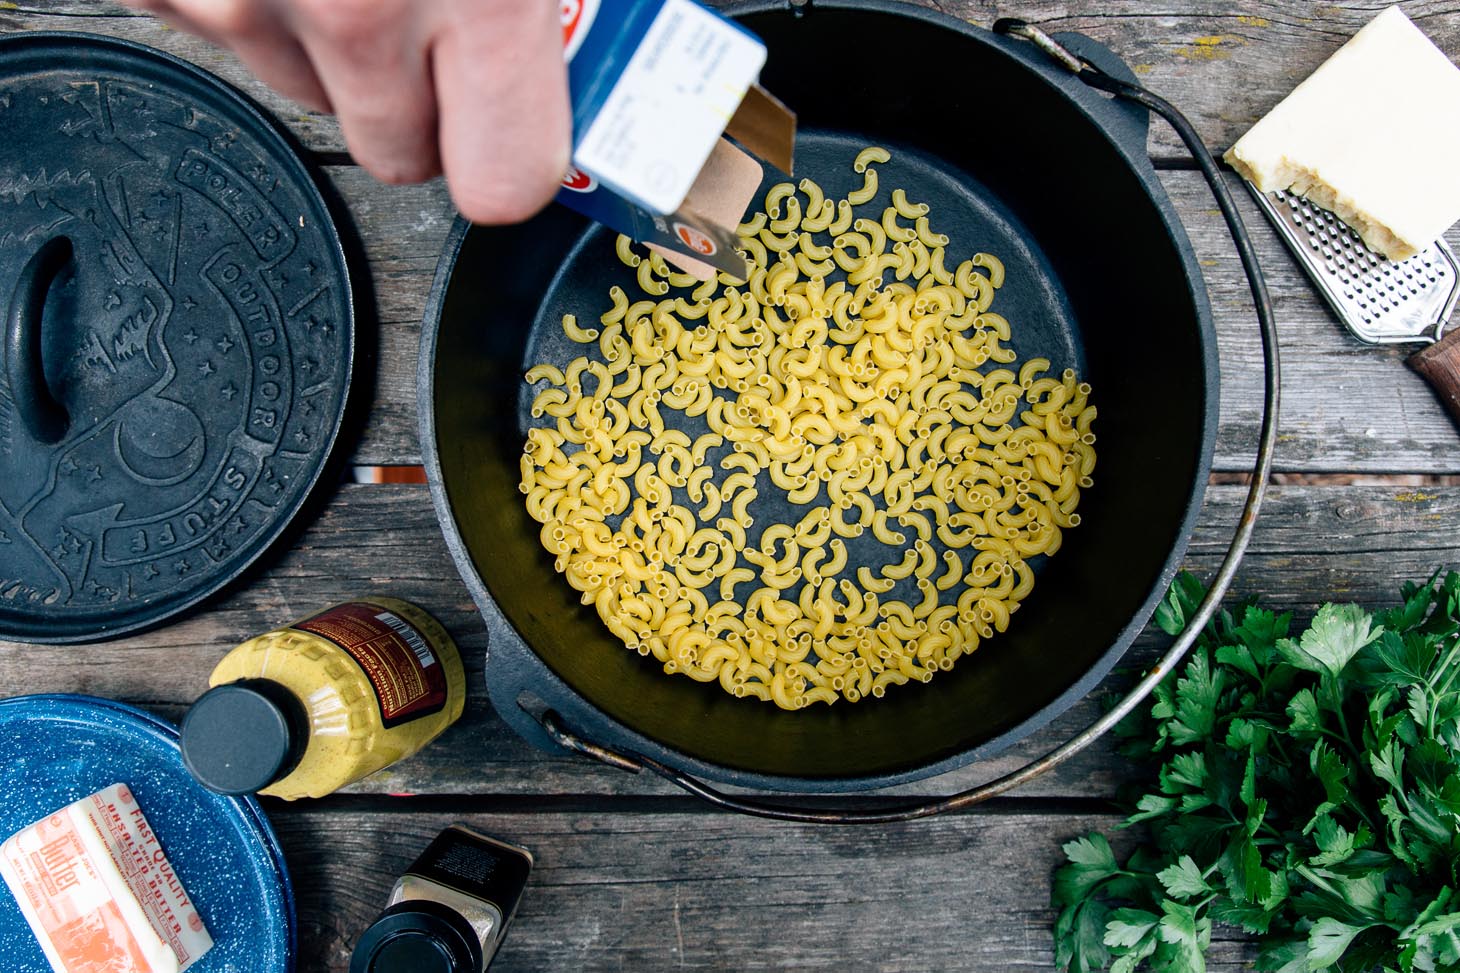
(98,891)
(1373,135)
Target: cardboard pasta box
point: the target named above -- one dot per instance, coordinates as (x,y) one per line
(656,85)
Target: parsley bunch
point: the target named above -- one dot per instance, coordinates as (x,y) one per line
(1305,790)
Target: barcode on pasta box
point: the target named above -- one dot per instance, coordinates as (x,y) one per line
(413,638)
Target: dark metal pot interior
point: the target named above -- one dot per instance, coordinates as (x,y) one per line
(1100,277)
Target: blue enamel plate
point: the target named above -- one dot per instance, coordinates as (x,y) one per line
(58,749)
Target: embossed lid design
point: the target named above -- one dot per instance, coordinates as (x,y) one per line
(179,336)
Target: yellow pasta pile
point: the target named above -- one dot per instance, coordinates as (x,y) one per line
(857,383)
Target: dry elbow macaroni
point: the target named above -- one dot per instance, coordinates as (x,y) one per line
(855,376)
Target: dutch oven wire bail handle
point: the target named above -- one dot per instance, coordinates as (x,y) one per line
(1093,76)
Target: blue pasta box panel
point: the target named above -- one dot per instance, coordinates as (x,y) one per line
(656,85)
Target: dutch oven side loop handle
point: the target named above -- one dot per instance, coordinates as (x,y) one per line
(1262,468)
(42,415)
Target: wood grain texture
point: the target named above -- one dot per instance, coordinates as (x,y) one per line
(662,892)
(1348,406)
(633,876)
(314,130)
(1312,544)
(1225,63)
(1439,364)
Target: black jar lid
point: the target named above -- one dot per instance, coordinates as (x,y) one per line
(178,335)
(418,936)
(240,737)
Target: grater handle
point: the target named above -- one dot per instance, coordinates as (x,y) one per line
(1439,364)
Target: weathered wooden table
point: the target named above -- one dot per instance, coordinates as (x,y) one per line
(630,873)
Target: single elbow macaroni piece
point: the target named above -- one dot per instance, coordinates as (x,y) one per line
(775,195)
(868,188)
(993,265)
(908,211)
(902,234)
(624,247)
(791,222)
(582,336)
(869,155)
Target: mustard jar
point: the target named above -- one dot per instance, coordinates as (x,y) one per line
(321,703)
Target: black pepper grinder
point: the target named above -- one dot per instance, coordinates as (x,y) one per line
(449,912)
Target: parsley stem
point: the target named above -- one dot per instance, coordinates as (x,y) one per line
(1275,741)
(1448,669)
(1335,699)
(1342,738)
(1358,808)
(1320,883)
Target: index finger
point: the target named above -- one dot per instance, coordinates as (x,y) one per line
(502,92)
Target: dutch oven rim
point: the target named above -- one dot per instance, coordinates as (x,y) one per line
(588,720)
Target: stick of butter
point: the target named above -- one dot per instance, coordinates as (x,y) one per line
(98,891)
(1372,135)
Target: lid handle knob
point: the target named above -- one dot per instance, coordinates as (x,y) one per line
(43,416)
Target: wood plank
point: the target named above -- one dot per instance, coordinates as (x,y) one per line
(1225,64)
(1347,405)
(402,232)
(315,130)
(631,877)
(716,892)
(1312,543)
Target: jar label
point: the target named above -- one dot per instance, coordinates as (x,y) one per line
(396,657)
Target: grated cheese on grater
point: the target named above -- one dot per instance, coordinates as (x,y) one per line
(1372,135)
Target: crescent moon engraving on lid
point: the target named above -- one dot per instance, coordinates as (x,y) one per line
(159,442)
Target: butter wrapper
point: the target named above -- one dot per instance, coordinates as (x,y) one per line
(98,891)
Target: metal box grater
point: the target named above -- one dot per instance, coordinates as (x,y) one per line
(1381,301)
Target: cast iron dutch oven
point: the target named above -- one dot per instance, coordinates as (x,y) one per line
(1017,157)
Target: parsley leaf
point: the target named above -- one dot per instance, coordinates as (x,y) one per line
(1197,694)
(1128,927)
(1091,862)
(1328,940)
(1148,807)
(1183,880)
(1184,938)
(1336,635)
(1335,843)
(1306,719)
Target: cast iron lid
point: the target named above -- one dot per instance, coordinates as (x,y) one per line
(178,337)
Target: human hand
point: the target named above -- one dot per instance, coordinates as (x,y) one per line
(474,88)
